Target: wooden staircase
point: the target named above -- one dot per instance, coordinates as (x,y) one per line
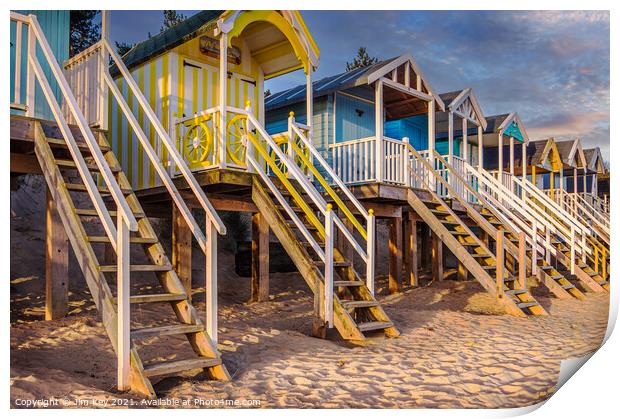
(357,314)
(549,275)
(84,230)
(475,255)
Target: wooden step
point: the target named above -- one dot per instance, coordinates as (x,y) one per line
(527,304)
(480,256)
(78,187)
(358,304)
(91,166)
(175,329)
(515,292)
(370,326)
(137,268)
(342,264)
(156,298)
(568,286)
(556,277)
(60,143)
(170,367)
(140,240)
(93,213)
(348,283)
(307,244)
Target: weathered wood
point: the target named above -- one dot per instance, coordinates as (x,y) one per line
(395,244)
(411,249)
(56,263)
(260,259)
(182,250)
(437,257)
(22,163)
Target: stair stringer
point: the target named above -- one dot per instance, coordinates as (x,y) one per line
(586,280)
(462,254)
(200,341)
(556,288)
(97,285)
(343,322)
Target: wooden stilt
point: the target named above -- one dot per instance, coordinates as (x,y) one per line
(396,253)
(260,258)
(461,272)
(182,250)
(426,249)
(437,257)
(411,249)
(56,264)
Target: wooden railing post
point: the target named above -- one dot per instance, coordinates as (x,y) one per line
(370,252)
(572,250)
(534,247)
(522,261)
(123,311)
(499,263)
(30,74)
(329,266)
(406,175)
(211,280)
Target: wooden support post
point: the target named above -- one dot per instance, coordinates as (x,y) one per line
(500,157)
(211,280)
(499,263)
(450,137)
(221,143)
(182,250)
(465,151)
(56,263)
(522,261)
(437,257)
(260,258)
(512,156)
(379,162)
(396,253)
(523,161)
(480,147)
(411,249)
(534,175)
(461,272)
(105,57)
(123,326)
(371,245)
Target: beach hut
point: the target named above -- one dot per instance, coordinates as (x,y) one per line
(573,175)
(595,168)
(542,161)
(508,132)
(359,117)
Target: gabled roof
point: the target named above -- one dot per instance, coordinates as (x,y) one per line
(454,100)
(348,79)
(507,124)
(170,38)
(594,159)
(571,153)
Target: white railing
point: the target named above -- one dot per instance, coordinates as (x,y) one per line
(126,222)
(213,224)
(505,178)
(296,163)
(354,161)
(581,210)
(394,152)
(83,74)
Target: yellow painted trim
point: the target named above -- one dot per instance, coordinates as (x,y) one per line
(287,184)
(307,34)
(277,20)
(285,71)
(141,121)
(119,126)
(152,102)
(165,101)
(341,205)
(130,167)
(194,90)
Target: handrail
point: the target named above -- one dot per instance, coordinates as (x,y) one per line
(335,178)
(123,209)
(172,151)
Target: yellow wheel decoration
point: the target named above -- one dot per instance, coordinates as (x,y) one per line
(282,144)
(197,142)
(238,139)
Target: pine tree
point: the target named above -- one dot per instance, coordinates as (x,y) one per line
(83,30)
(172,18)
(361,60)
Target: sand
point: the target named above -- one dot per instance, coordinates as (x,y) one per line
(455,350)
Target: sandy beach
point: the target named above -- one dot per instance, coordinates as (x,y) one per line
(455,350)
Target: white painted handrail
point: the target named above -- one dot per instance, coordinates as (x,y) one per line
(165,138)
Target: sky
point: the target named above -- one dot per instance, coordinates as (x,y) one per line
(551,67)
